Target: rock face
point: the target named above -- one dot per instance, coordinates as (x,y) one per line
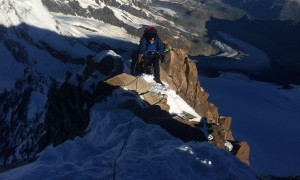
(155,108)
(242,151)
(21,117)
(67,114)
(66,117)
(182,75)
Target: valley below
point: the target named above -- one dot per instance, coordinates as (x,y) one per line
(265,112)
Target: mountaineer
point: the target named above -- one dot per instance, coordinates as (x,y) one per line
(151,51)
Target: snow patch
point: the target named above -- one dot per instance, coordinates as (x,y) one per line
(177,105)
(166,11)
(272,112)
(130,19)
(30,12)
(227,51)
(36,105)
(98,58)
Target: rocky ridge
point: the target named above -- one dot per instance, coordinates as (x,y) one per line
(182,75)
(67,114)
(61,105)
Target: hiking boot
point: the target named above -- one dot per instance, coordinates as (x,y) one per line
(158,81)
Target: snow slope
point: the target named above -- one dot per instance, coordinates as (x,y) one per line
(119,145)
(46,41)
(177,105)
(254,60)
(263,114)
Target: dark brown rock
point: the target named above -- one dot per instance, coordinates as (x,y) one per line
(226,125)
(242,150)
(182,76)
(65,117)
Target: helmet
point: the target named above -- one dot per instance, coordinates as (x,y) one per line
(150,32)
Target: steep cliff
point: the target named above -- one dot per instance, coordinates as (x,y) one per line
(181,74)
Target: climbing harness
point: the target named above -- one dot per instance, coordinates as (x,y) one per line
(150,54)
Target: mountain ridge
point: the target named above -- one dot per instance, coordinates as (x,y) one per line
(67,117)
(58,44)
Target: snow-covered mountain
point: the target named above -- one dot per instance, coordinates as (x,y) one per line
(22,116)
(46,43)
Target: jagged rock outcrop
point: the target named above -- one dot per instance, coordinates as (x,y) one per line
(67,114)
(155,110)
(181,74)
(66,117)
(242,151)
(68,111)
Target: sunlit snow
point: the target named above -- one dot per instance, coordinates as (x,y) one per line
(177,105)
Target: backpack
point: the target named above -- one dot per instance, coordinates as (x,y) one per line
(167,46)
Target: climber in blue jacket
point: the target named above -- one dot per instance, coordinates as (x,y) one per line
(151,50)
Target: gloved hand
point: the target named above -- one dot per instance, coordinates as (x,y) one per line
(163,59)
(140,58)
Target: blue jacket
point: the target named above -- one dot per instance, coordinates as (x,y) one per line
(157,46)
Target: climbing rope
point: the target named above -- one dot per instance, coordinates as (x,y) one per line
(123,146)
